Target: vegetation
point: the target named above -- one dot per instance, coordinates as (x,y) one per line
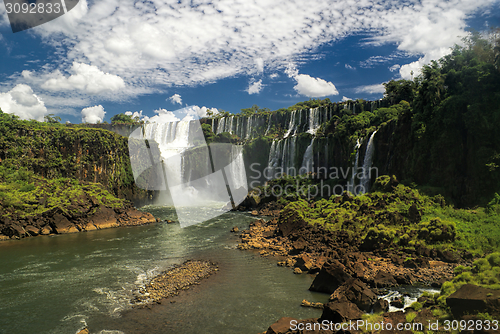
(125,119)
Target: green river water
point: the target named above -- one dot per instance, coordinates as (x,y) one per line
(62,283)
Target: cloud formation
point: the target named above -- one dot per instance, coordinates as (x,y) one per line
(309,86)
(254,87)
(85,78)
(93,114)
(21,101)
(371,89)
(176,98)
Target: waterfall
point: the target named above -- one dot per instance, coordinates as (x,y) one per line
(308,160)
(367,163)
(220,125)
(249,128)
(213,120)
(355,167)
(268,125)
(314,121)
(238,127)
(291,124)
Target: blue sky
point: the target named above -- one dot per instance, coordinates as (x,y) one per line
(106,57)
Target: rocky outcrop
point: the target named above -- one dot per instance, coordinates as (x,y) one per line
(331,276)
(357,292)
(340,312)
(473,299)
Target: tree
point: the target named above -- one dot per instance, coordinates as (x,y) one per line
(123,119)
(51,118)
(399,90)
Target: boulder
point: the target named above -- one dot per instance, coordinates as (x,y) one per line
(381,305)
(332,275)
(473,299)
(304,263)
(398,303)
(106,217)
(340,312)
(384,279)
(281,326)
(63,225)
(357,292)
(235,229)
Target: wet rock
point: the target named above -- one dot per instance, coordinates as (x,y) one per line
(297,271)
(63,225)
(397,303)
(235,229)
(381,305)
(332,275)
(304,263)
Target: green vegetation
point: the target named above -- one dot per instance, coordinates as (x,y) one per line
(396,216)
(125,119)
(24,194)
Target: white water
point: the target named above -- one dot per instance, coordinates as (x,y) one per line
(314,120)
(367,163)
(355,167)
(308,160)
(292,127)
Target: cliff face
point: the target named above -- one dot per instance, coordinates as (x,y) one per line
(89,155)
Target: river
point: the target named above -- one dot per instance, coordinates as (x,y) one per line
(59,284)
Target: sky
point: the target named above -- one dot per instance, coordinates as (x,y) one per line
(176,59)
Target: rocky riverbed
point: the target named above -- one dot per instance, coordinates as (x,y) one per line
(172,281)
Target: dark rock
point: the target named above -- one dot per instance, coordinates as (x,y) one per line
(340,312)
(405,279)
(450,257)
(384,279)
(63,225)
(281,326)
(398,303)
(294,222)
(381,305)
(417,263)
(304,263)
(414,214)
(332,275)
(357,292)
(473,299)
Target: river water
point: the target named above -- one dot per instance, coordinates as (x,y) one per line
(62,283)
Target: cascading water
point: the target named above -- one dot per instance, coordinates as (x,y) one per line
(354,168)
(292,127)
(308,160)
(367,163)
(314,120)
(249,128)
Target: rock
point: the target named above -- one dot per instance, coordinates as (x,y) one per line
(297,271)
(417,263)
(449,257)
(106,217)
(398,303)
(306,303)
(414,214)
(357,292)
(63,225)
(332,275)
(254,213)
(31,230)
(235,229)
(281,326)
(473,299)
(304,263)
(84,331)
(384,279)
(381,305)
(293,222)
(340,312)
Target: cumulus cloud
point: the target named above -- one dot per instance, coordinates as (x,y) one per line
(86,78)
(371,89)
(23,102)
(93,114)
(255,87)
(309,86)
(176,98)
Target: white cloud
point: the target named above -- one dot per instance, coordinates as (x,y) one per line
(394,67)
(255,87)
(345,98)
(176,98)
(309,86)
(164,43)
(93,114)
(21,101)
(349,67)
(85,78)
(274,75)
(137,115)
(371,89)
